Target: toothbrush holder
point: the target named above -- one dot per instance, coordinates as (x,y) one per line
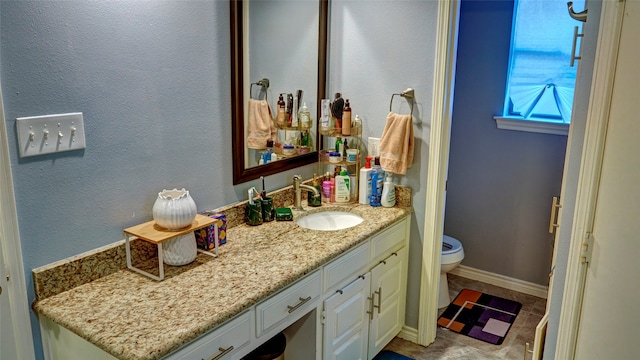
(253,213)
(268,211)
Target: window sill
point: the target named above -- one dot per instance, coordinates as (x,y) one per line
(542,127)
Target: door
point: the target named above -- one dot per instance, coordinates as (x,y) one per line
(387,288)
(15,325)
(8,348)
(346,321)
(609,316)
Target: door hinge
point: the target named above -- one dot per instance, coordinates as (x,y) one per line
(587,248)
(323,316)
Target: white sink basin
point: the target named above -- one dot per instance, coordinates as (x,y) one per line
(329,220)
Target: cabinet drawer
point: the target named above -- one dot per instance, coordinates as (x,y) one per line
(222,343)
(342,269)
(291,303)
(388,240)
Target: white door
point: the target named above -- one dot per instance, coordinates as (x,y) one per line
(15,327)
(346,323)
(8,349)
(387,288)
(610,315)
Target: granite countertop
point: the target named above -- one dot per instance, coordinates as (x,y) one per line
(133,317)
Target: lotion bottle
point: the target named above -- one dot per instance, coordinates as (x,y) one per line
(282,112)
(304,116)
(388,198)
(364,187)
(343,187)
(346,119)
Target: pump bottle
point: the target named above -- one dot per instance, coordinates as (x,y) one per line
(364,187)
(388,198)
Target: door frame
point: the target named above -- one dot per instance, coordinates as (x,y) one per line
(437,166)
(13,273)
(591,162)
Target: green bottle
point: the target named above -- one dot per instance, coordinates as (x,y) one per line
(315,200)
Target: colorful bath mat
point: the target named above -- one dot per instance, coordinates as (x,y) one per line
(390,355)
(480,316)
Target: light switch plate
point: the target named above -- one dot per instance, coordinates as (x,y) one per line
(373,146)
(46,134)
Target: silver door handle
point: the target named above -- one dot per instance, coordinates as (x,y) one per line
(379,292)
(574,45)
(370,312)
(555,205)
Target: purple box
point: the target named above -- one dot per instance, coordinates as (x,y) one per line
(205,237)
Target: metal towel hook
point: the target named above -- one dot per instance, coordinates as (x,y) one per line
(408,94)
(264,83)
(581,16)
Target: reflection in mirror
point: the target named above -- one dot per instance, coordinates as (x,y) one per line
(276,56)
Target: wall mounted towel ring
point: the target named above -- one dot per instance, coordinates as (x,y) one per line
(408,94)
(264,84)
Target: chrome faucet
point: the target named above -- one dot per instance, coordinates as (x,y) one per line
(297,188)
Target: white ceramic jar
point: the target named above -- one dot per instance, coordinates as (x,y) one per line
(181,250)
(174,209)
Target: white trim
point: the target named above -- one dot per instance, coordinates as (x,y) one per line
(502,281)
(10,238)
(528,125)
(587,191)
(442,108)
(409,334)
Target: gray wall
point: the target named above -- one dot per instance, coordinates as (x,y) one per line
(152,79)
(500,182)
(378,48)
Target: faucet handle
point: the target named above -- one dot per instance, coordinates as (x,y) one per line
(297,178)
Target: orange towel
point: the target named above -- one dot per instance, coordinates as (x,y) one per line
(396,144)
(260,126)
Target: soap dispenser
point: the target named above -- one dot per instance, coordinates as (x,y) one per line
(304,116)
(388,198)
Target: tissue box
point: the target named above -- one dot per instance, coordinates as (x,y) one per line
(205,237)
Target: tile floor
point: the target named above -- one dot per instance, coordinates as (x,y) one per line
(451,345)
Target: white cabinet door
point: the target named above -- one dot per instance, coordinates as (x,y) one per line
(388,285)
(346,323)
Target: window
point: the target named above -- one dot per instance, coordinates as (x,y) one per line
(541,81)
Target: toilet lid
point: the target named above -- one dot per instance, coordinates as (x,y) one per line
(450,245)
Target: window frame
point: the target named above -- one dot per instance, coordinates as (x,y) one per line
(537,124)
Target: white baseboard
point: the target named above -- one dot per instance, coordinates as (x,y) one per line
(409,334)
(506,282)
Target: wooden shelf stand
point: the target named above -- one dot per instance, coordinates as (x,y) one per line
(152,233)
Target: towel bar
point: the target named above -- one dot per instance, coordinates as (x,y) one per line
(408,94)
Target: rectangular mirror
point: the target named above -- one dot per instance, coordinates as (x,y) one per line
(277,47)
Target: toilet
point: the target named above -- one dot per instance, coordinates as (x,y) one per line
(451,256)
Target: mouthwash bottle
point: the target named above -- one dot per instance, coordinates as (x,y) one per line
(377,179)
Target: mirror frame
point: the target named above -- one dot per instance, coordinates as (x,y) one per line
(240,173)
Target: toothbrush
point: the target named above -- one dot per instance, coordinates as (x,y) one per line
(263,194)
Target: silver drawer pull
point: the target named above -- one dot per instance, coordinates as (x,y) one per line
(222,353)
(302,302)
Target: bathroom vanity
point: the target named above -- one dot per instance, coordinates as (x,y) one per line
(334,294)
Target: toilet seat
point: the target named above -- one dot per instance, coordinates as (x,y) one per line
(452,250)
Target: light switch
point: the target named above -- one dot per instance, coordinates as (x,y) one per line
(373,146)
(46,134)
